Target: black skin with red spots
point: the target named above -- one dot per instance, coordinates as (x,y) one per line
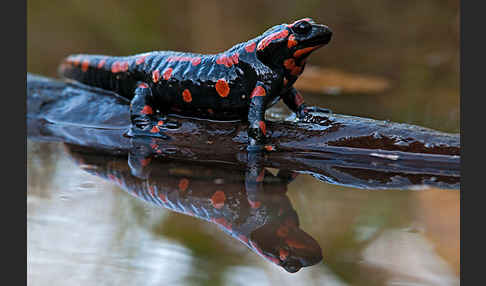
(239,83)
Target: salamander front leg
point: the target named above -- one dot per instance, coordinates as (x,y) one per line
(256,118)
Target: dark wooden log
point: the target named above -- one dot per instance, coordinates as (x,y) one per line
(85,116)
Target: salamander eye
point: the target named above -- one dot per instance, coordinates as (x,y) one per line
(302,27)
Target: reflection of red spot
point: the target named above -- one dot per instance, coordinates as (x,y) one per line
(217,200)
(254,205)
(283,231)
(283,254)
(147,110)
(85,65)
(196,61)
(154,146)
(263,127)
(140,60)
(154,129)
(268,39)
(243,238)
(289,63)
(210,111)
(222,221)
(167,73)
(303,51)
(155,76)
(143,85)
(294,244)
(160,123)
(222,88)
(163,198)
(250,47)
(258,91)
(183,184)
(145,162)
(151,190)
(186,95)
(269,148)
(298,99)
(291,42)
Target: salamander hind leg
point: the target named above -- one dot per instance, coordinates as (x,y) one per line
(145,121)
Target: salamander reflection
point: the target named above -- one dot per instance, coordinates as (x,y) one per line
(258,212)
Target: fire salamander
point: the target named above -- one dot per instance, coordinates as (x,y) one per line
(239,83)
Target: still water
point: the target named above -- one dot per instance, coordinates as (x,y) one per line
(91,223)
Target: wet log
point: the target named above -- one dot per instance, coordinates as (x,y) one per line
(85,116)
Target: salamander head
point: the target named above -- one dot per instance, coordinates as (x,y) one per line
(288,45)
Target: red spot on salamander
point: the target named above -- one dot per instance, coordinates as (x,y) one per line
(285,82)
(296,71)
(85,65)
(155,76)
(270,148)
(250,47)
(217,199)
(289,63)
(155,129)
(263,127)
(303,51)
(305,19)
(160,123)
(101,64)
(147,110)
(140,60)
(167,73)
(183,184)
(196,61)
(143,85)
(186,95)
(222,87)
(292,42)
(272,37)
(258,91)
(123,66)
(228,61)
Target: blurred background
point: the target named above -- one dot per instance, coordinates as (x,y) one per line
(105,237)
